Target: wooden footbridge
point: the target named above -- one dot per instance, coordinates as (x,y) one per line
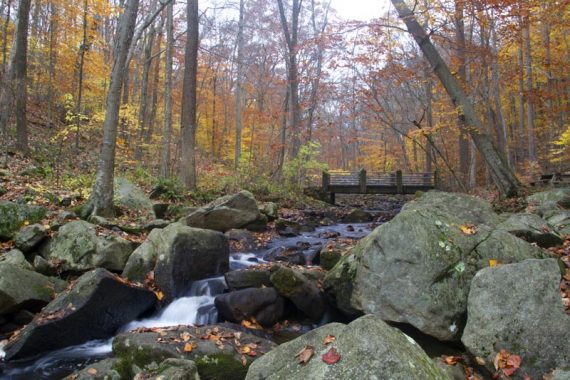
(362,182)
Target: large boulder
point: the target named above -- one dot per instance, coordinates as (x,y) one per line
(76,247)
(518,308)
(226,213)
(533,229)
(15,215)
(417,269)
(29,237)
(17,258)
(219,351)
(561,221)
(293,285)
(265,305)
(179,255)
(130,196)
(247,278)
(21,288)
(548,200)
(368,349)
(94,308)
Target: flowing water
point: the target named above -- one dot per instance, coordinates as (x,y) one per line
(196,308)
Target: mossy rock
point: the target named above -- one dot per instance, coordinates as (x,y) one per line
(15,215)
(220,366)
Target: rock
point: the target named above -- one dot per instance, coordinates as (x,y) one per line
(160,210)
(358,216)
(156,223)
(258,225)
(101,221)
(30,237)
(533,229)
(102,370)
(417,268)
(467,208)
(247,278)
(303,293)
(15,215)
(287,228)
(270,210)
(97,305)
(226,213)
(173,369)
(214,361)
(561,221)
(242,238)
(291,255)
(131,196)
(179,255)
(44,267)
(368,348)
(560,374)
(64,216)
(21,288)
(265,305)
(331,254)
(23,317)
(17,258)
(550,199)
(76,247)
(518,308)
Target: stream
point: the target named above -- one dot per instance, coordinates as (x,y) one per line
(196,308)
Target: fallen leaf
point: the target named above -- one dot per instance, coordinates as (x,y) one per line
(468,229)
(331,357)
(451,360)
(329,339)
(159,295)
(188,347)
(480,360)
(92,371)
(493,263)
(305,354)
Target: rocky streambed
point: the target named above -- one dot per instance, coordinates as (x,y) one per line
(325,293)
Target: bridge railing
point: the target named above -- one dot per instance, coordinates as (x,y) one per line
(361,182)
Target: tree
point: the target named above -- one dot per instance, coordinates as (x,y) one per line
(505,180)
(102,196)
(187,167)
(167,133)
(239,81)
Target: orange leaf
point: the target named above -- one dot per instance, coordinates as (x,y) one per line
(468,229)
(92,371)
(329,339)
(493,263)
(159,295)
(305,354)
(188,347)
(331,357)
(451,360)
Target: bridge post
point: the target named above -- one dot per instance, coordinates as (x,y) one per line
(362,181)
(326,182)
(436,180)
(399,182)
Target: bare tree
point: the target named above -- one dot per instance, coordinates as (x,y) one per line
(187,168)
(239,82)
(167,133)
(102,196)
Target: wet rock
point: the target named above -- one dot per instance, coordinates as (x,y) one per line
(247,278)
(294,286)
(258,225)
(287,228)
(226,213)
(17,258)
(44,267)
(213,350)
(291,255)
(97,305)
(21,288)
(179,255)
(518,308)
(533,229)
(243,238)
(160,210)
(423,254)
(15,215)
(102,370)
(265,305)
(331,254)
(76,247)
(368,348)
(30,237)
(358,216)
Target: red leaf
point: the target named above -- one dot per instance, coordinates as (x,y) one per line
(332,356)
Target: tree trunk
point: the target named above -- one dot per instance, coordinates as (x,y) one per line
(20,72)
(530,94)
(505,179)
(463,142)
(239,84)
(82,49)
(167,134)
(102,196)
(187,169)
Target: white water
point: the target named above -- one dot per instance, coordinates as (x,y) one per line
(197,308)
